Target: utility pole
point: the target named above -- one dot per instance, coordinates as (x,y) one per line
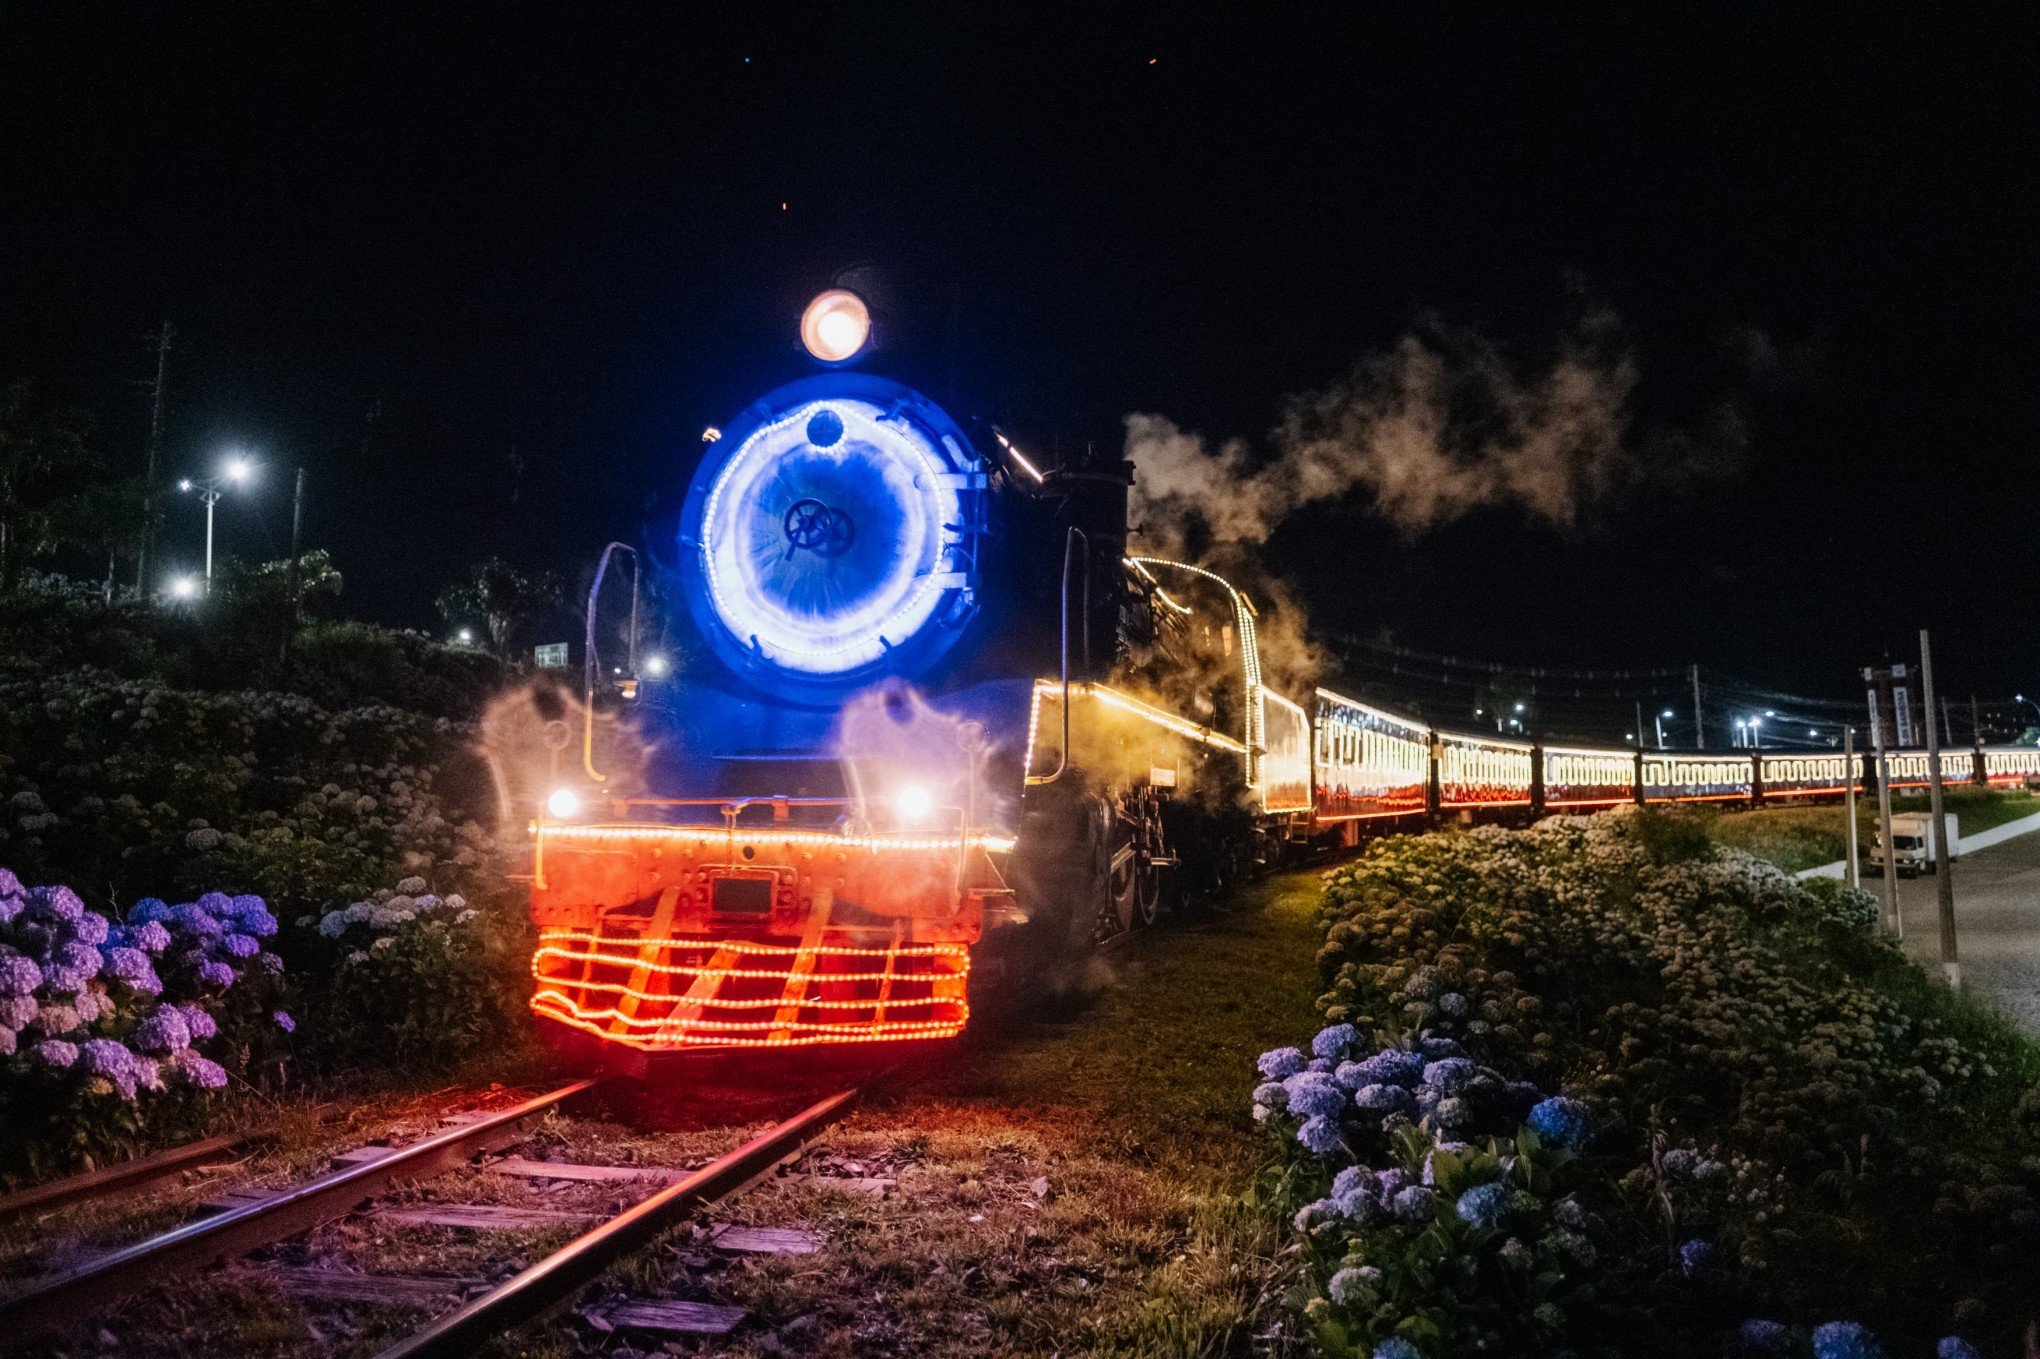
(1855,872)
(1699,725)
(155,456)
(1944,879)
(297,529)
(1639,724)
(1892,919)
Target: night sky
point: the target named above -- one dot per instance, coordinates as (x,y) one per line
(487,273)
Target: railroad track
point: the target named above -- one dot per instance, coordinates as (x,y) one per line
(81,1294)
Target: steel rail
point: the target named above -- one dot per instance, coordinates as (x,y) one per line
(94,1184)
(81,1293)
(554,1280)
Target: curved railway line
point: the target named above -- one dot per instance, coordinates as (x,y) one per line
(50,1306)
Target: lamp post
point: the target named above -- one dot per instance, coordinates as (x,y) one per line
(236,471)
(1660,721)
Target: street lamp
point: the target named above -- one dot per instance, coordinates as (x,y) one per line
(1660,720)
(183,587)
(237,470)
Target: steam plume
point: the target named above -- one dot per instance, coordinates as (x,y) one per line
(1440,426)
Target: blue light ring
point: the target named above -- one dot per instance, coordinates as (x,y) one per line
(940,446)
(900,608)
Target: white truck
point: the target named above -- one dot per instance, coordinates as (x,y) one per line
(1912,842)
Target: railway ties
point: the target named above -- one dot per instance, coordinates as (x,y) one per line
(370,1187)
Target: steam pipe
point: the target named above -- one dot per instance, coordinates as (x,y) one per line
(1062,758)
(590,664)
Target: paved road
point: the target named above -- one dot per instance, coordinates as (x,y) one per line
(1997,924)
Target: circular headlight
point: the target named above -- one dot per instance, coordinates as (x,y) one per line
(835,325)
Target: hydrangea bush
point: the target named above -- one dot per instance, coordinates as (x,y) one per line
(419,979)
(113,1029)
(1753,1106)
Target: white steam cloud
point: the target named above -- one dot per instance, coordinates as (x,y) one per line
(1442,425)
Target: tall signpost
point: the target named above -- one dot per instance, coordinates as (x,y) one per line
(1890,725)
(1944,878)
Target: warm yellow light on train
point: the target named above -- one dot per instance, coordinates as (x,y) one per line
(835,325)
(563,803)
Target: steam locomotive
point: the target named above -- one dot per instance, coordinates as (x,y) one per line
(941,732)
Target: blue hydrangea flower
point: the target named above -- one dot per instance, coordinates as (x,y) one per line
(1758,1336)
(1437,1049)
(1699,1258)
(1955,1347)
(1391,1182)
(163,1029)
(1679,1162)
(151,936)
(1449,1075)
(1392,1067)
(1563,1123)
(1845,1340)
(149,911)
(1314,1095)
(1395,1347)
(1279,1063)
(333,924)
(55,1054)
(1416,1204)
(1385,1099)
(284,1022)
(1485,1206)
(19,976)
(1351,1285)
(252,914)
(240,946)
(1320,1135)
(1333,1041)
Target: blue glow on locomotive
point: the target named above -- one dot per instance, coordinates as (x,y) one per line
(828,532)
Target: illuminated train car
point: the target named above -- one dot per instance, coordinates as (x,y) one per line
(939,733)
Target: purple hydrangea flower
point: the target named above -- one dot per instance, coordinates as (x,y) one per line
(1955,1347)
(151,936)
(132,967)
(1391,1182)
(1280,1063)
(10,886)
(284,1021)
(269,963)
(216,974)
(8,1042)
(11,909)
(199,1071)
(163,1030)
(1272,1095)
(1563,1123)
(149,911)
(1320,1135)
(1333,1041)
(55,1054)
(89,1004)
(17,1011)
(1438,1049)
(1485,1206)
(91,928)
(106,1058)
(1845,1340)
(240,946)
(1385,1099)
(82,958)
(19,976)
(55,1020)
(55,904)
(216,904)
(199,1021)
(254,916)
(1679,1161)
(196,919)
(1395,1347)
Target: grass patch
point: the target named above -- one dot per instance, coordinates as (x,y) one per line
(1799,838)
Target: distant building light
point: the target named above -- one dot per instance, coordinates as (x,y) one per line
(710,435)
